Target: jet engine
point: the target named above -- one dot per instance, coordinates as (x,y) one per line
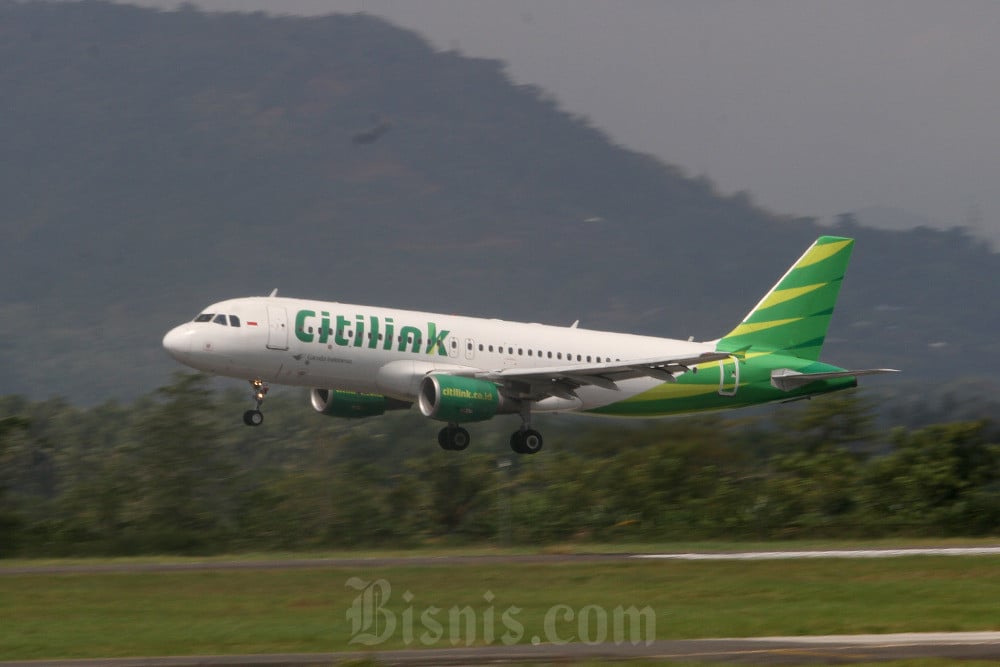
(454,399)
(351,404)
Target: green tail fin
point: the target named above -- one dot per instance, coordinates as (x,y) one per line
(793,317)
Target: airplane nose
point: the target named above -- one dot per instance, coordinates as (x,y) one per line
(177,342)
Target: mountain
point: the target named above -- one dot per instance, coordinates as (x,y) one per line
(155,162)
(888,217)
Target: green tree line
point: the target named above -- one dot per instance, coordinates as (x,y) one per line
(176,472)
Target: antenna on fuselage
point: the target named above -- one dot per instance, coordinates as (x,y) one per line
(274,292)
(575,324)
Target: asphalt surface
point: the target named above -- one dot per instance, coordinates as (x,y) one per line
(420,561)
(309,563)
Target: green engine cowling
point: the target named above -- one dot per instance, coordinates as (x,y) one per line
(352,404)
(455,399)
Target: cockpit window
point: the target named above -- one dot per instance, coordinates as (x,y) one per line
(224,320)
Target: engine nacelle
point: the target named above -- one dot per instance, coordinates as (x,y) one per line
(351,404)
(454,399)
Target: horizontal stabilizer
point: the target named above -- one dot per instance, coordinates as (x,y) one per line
(786,379)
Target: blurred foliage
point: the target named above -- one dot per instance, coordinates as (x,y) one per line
(176,472)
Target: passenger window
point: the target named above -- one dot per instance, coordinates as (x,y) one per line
(559,355)
(550,355)
(234,321)
(491,348)
(204,317)
(220,319)
(531,353)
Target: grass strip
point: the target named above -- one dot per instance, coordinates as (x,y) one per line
(278,611)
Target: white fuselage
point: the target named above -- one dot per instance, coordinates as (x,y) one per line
(387,351)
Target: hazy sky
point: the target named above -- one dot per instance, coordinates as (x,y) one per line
(815,107)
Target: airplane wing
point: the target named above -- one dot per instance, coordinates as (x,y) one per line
(562,381)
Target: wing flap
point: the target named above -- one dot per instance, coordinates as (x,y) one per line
(563,380)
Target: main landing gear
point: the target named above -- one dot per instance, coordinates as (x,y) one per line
(524,440)
(453,438)
(256,417)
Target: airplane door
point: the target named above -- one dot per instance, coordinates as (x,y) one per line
(452,347)
(729,376)
(470,352)
(277,328)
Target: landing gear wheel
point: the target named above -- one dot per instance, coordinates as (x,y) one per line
(531,441)
(253,418)
(459,438)
(453,438)
(527,441)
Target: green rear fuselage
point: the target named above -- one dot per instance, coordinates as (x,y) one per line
(742,383)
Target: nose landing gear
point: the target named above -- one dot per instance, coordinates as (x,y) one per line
(256,417)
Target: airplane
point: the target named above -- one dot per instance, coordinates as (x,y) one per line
(361,361)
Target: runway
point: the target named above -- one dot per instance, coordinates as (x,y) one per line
(834,649)
(837,553)
(421,561)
